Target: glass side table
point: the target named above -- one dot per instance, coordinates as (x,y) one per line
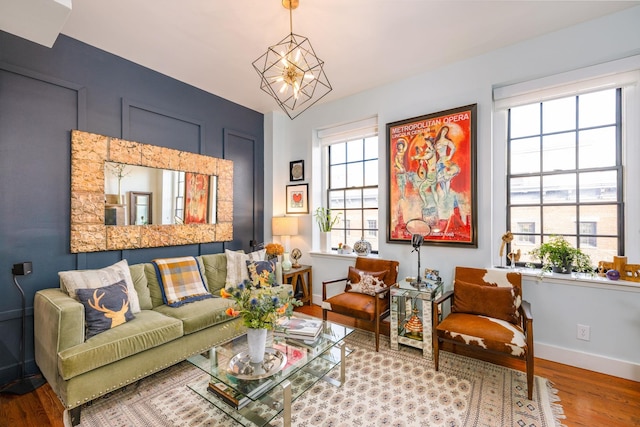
(411,315)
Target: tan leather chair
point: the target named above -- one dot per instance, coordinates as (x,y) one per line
(487,314)
(353,302)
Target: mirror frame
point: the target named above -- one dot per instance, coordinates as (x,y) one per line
(89,152)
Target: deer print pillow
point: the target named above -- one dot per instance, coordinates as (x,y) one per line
(105,308)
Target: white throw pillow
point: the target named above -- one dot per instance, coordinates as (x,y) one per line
(93,279)
(237,270)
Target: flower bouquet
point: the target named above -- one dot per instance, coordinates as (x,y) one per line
(260,306)
(273,250)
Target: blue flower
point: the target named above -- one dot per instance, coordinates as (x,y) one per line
(254,301)
(241,286)
(275,300)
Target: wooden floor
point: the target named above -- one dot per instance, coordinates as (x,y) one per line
(589,399)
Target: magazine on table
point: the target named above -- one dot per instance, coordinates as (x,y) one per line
(299,328)
(235,398)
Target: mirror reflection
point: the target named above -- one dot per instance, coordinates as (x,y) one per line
(139,195)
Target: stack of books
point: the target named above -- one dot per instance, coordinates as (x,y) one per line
(303,329)
(233,397)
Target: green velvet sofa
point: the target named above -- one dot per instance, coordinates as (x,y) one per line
(158,337)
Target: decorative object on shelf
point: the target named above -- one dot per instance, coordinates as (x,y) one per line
(273,250)
(362,247)
(286,262)
(291,72)
(414,325)
(298,199)
(416,242)
(26,383)
(296,170)
(285,227)
(506,239)
(613,274)
(559,256)
(431,171)
(630,272)
(258,304)
(514,257)
(296,254)
(326,221)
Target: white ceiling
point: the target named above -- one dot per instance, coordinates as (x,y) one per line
(211,44)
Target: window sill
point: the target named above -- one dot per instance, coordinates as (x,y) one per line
(335,254)
(578,279)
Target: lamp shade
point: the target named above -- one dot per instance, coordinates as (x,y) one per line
(284,226)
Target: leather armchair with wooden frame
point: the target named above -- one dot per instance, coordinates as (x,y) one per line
(359,305)
(487,314)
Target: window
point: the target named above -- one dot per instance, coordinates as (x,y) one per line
(353,190)
(564,172)
(525,232)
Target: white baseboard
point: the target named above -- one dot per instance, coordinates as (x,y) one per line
(592,362)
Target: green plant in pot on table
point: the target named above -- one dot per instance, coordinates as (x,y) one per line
(559,256)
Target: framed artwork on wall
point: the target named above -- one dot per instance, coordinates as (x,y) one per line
(296,170)
(431,164)
(196,200)
(298,199)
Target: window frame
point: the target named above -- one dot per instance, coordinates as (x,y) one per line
(543,233)
(343,225)
(623,72)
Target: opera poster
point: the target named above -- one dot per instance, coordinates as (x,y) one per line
(196,200)
(432,178)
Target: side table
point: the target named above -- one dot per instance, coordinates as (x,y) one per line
(302,276)
(405,300)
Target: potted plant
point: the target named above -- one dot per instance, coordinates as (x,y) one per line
(559,256)
(326,220)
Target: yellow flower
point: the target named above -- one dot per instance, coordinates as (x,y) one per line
(274,249)
(225,294)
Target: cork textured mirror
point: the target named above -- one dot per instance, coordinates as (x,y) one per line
(89,201)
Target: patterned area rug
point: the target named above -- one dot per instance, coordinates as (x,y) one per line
(389,388)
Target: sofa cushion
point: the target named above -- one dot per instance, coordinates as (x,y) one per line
(237,271)
(485,300)
(262,272)
(215,271)
(181,281)
(78,279)
(141,285)
(149,329)
(200,314)
(485,332)
(105,308)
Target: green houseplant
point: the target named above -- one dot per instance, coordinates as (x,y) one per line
(559,256)
(325,219)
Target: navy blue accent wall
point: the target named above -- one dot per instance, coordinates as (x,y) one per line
(44,93)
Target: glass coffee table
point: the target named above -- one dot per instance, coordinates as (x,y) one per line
(267,395)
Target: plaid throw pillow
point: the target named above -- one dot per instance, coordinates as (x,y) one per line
(181,281)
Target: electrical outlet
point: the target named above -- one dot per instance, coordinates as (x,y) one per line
(584,332)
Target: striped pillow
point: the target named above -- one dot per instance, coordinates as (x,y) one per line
(180,280)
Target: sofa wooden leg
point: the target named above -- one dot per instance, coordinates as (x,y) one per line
(436,352)
(530,376)
(74,414)
(377,335)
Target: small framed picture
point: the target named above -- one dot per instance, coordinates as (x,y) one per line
(296,170)
(298,199)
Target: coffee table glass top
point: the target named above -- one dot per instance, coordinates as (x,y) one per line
(306,363)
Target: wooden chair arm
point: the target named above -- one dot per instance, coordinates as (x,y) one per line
(525,309)
(328,282)
(443,298)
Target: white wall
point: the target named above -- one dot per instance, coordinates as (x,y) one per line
(472,81)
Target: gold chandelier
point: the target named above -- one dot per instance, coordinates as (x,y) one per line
(291,72)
